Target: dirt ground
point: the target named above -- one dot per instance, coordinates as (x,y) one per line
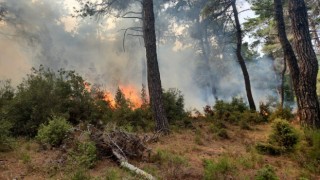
(28,161)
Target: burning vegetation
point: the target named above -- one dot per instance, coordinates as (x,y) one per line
(56,121)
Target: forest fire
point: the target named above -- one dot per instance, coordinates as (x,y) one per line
(133,94)
(130,92)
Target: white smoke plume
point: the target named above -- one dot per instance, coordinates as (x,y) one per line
(43,32)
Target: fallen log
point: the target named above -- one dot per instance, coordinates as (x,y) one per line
(125,164)
(121,145)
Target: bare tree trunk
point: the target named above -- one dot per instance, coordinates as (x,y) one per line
(283,73)
(154,81)
(240,58)
(287,48)
(309,105)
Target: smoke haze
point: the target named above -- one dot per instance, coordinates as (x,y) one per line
(42,32)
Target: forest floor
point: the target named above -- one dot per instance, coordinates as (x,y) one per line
(179,155)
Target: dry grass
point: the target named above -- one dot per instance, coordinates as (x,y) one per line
(182,157)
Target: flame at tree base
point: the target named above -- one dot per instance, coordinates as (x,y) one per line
(130,92)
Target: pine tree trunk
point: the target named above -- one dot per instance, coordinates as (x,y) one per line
(308,64)
(240,58)
(154,81)
(283,73)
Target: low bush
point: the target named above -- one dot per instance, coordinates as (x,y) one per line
(85,155)
(166,157)
(113,174)
(54,132)
(6,141)
(284,135)
(235,112)
(173,101)
(266,173)
(313,138)
(265,148)
(80,175)
(282,139)
(251,117)
(219,130)
(309,155)
(218,170)
(281,113)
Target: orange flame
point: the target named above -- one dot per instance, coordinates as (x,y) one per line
(108,98)
(130,92)
(87,86)
(133,94)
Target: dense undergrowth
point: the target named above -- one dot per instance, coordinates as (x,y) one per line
(47,106)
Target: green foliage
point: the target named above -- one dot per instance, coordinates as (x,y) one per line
(283,138)
(45,93)
(281,113)
(252,117)
(120,100)
(237,104)
(236,112)
(54,132)
(6,95)
(165,157)
(80,175)
(141,118)
(6,141)
(219,130)
(219,169)
(266,173)
(112,174)
(283,135)
(85,155)
(313,137)
(131,119)
(25,158)
(309,155)
(265,148)
(174,105)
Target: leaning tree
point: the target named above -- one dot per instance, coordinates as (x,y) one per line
(216,9)
(146,16)
(303,66)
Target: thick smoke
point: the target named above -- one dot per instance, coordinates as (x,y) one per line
(42,32)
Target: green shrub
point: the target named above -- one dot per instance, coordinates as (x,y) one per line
(80,175)
(234,112)
(269,149)
(54,132)
(266,173)
(313,137)
(219,130)
(244,125)
(282,139)
(281,113)
(85,155)
(309,155)
(44,93)
(113,174)
(164,157)
(25,157)
(173,101)
(237,104)
(283,135)
(6,141)
(219,169)
(252,117)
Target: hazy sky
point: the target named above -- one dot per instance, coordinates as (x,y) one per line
(45,33)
